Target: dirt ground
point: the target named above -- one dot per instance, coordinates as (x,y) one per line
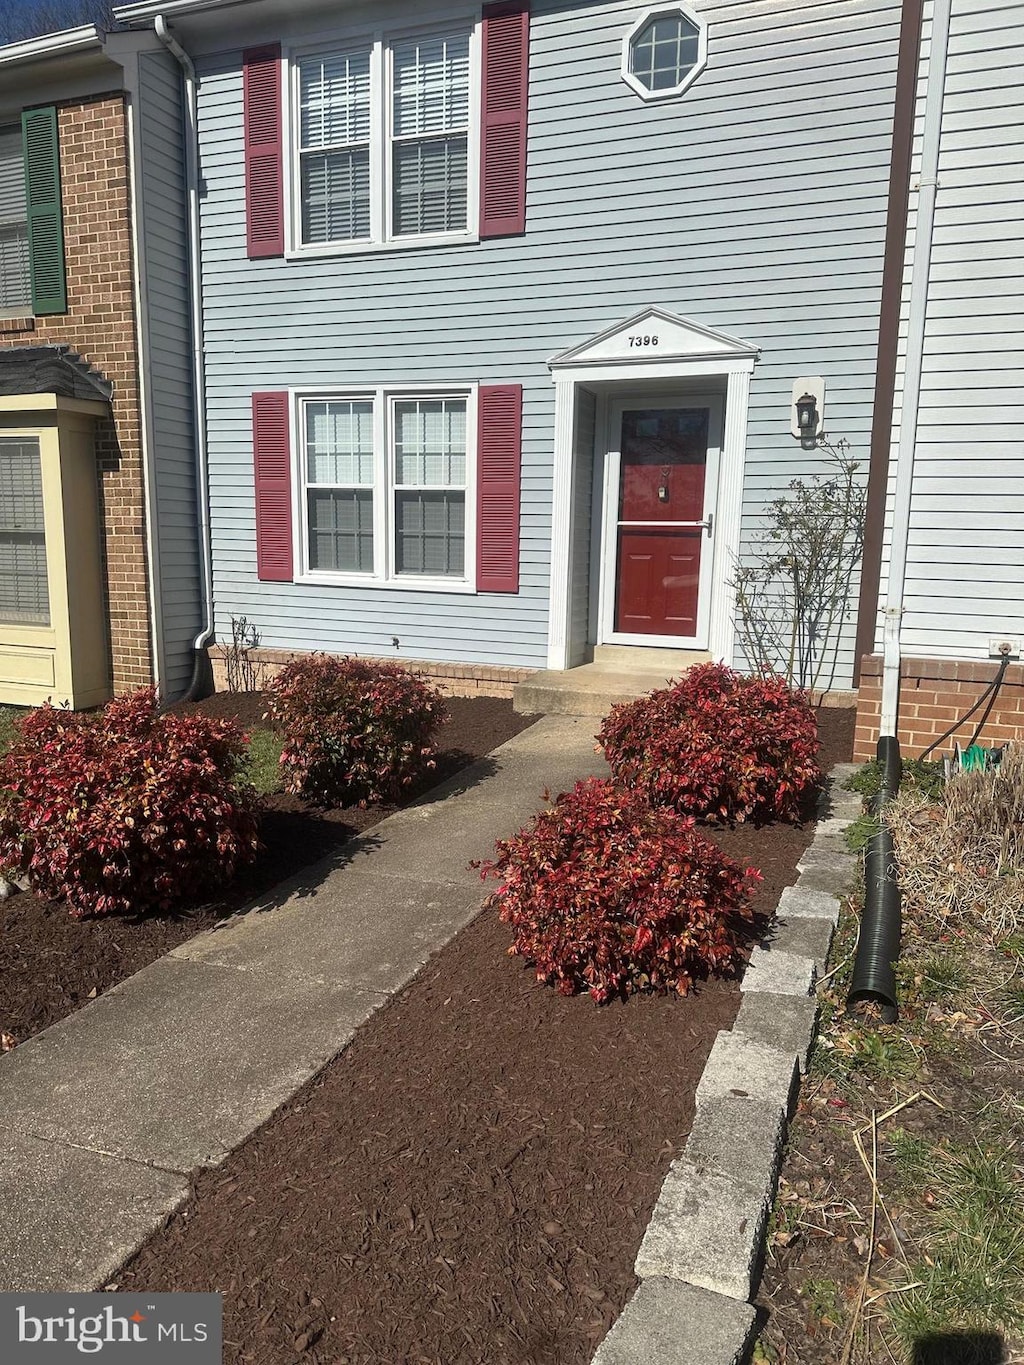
(51,964)
(469,1181)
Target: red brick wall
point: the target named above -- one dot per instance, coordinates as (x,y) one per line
(933,693)
(457,680)
(100,326)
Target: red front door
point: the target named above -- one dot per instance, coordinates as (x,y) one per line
(660,531)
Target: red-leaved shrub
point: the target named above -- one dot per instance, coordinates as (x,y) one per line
(125,810)
(607,894)
(717,745)
(354,730)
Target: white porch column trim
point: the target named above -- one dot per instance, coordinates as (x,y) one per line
(562,518)
(722,631)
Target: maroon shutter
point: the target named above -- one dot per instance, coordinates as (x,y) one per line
(500,424)
(271,450)
(264,161)
(503,119)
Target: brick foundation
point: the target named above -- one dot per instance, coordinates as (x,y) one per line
(455,680)
(100,325)
(933,693)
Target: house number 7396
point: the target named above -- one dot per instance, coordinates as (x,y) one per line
(643,341)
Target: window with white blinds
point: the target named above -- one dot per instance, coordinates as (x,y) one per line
(430,128)
(15,280)
(334,146)
(387,486)
(429,464)
(383,139)
(24,592)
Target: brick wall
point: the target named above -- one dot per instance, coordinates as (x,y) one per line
(100,326)
(456,680)
(933,693)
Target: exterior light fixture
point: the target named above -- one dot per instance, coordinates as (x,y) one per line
(808,411)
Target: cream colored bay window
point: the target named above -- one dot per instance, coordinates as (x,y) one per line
(53,638)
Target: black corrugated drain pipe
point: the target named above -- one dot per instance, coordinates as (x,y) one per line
(878,945)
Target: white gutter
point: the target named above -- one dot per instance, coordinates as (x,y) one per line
(154,9)
(52,45)
(916,322)
(196,302)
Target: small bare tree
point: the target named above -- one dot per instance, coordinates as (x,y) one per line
(244,673)
(793,590)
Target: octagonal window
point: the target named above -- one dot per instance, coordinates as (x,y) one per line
(664,53)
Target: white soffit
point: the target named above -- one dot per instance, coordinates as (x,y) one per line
(655,335)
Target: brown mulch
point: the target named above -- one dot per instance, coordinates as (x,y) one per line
(50,964)
(468,1183)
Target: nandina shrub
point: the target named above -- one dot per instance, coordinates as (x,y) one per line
(717,745)
(354,730)
(125,810)
(608,894)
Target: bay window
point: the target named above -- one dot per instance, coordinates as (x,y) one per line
(383,141)
(24,593)
(386,487)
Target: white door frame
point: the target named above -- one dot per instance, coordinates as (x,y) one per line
(609,557)
(604,377)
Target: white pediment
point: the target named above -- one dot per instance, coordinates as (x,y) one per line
(655,335)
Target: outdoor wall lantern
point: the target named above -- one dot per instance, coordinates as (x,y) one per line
(808,411)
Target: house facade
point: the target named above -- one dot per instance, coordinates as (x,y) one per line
(942,605)
(505,310)
(99,559)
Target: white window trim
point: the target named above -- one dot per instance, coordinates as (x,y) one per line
(381,113)
(665,12)
(383,576)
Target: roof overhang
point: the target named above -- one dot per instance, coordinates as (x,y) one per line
(87,38)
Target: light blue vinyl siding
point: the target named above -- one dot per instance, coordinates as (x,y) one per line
(965,560)
(580,538)
(755,204)
(164,244)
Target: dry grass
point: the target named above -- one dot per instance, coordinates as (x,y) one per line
(962,856)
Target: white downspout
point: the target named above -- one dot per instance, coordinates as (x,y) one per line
(198,363)
(917,319)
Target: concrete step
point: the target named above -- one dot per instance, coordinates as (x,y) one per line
(643,657)
(590,690)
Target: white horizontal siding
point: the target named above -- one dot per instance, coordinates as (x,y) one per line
(965,562)
(755,204)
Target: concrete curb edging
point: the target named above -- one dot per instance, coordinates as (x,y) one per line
(700,1260)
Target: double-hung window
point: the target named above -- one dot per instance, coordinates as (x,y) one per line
(386,487)
(15,280)
(24,591)
(383,140)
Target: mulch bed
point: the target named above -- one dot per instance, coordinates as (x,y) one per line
(469,1181)
(50,964)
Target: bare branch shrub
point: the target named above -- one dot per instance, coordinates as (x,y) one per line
(244,673)
(793,591)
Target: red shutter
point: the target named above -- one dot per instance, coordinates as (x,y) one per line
(271,449)
(500,423)
(503,119)
(264,161)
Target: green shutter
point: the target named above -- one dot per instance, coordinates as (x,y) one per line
(45,220)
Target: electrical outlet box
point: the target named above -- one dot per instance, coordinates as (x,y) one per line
(1004,649)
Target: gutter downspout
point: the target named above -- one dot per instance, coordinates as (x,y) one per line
(199,684)
(916,323)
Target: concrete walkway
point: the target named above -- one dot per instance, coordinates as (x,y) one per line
(103,1116)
